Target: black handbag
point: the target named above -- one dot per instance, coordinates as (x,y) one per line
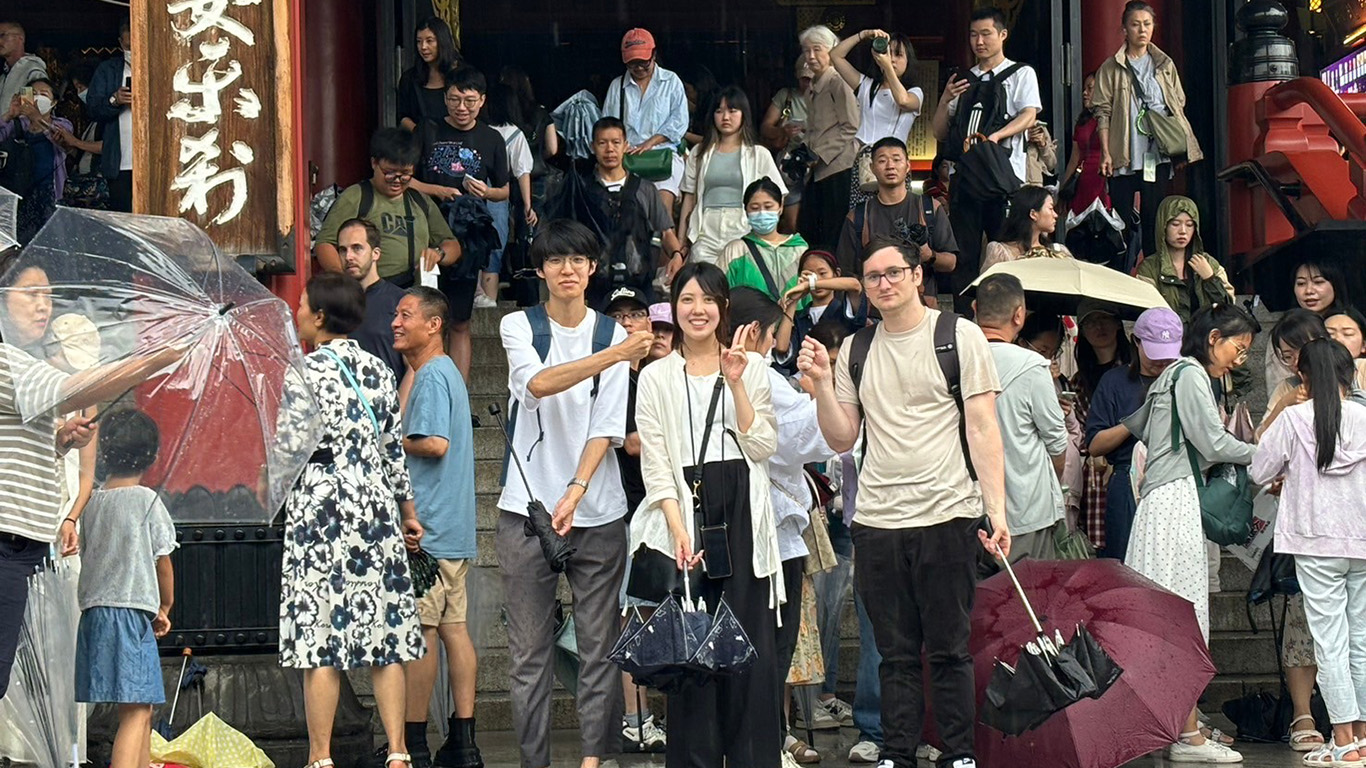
(984,172)
(654,575)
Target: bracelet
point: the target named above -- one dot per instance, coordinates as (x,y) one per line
(678,254)
(71,520)
(811,282)
(580,483)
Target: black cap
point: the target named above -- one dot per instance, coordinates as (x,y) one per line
(624,294)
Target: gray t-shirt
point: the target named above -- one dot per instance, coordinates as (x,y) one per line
(123,532)
(1146,72)
(725,181)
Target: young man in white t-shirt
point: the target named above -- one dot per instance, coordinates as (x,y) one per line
(916,529)
(569,403)
(973,218)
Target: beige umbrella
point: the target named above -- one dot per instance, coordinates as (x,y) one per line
(1059,285)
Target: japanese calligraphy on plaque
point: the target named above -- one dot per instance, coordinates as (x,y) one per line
(218,132)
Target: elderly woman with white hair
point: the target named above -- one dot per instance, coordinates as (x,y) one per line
(832,122)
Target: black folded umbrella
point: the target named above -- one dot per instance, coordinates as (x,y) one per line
(539,524)
(1094,237)
(472,225)
(1049,676)
(682,645)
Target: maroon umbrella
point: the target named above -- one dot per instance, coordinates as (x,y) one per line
(1149,632)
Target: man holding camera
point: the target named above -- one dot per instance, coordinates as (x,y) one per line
(920,222)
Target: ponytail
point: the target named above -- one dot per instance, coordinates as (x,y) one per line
(1327,367)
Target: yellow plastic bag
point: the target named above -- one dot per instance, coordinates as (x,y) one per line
(209,743)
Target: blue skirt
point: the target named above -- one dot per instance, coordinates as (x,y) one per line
(116,658)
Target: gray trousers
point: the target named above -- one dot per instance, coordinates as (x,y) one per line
(595,574)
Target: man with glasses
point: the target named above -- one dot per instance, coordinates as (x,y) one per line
(413,234)
(895,213)
(651,101)
(18,69)
(917,526)
(568,380)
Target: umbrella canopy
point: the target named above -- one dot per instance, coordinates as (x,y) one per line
(681,644)
(42,696)
(236,421)
(1149,632)
(9,219)
(1096,235)
(1059,285)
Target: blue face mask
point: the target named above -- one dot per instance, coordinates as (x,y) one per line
(763,222)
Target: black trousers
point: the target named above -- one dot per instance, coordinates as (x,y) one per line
(18,559)
(786,643)
(825,206)
(733,720)
(972,220)
(918,586)
(1143,218)
(121,192)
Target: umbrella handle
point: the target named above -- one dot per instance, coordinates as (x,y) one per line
(1032,617)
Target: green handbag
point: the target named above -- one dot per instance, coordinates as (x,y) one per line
(1225,495)
(1161,127)
(652,165)
(1070,543)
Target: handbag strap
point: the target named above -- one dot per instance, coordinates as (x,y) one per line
(1176,433)
(355,385)
(763,268)
(706,432)
(1139,90)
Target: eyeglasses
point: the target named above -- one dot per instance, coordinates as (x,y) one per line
(559,262)
(893,275)
(396,176)
(639,64)
(1055,355)
(635,315)
(1290,358)
(1242,353)
(469,101)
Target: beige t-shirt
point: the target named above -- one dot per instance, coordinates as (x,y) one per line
(914,474)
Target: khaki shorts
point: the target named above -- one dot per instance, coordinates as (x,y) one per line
(447,601)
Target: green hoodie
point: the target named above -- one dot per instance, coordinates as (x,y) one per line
(1188,296)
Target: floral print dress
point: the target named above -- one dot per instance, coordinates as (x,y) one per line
(347,597)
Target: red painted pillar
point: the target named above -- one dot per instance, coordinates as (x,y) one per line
(1102,30)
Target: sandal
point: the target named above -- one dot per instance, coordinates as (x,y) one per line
(326,762)
(399,757)
(1216,735)
(801,751)
(1306,740)
(1330,754)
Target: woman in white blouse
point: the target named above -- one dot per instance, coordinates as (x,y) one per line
(887,105)
(734,719)
(716,175)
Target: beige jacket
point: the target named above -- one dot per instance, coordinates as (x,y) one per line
(1040,161)
(1114,91)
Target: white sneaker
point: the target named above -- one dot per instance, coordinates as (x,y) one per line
(649,737)
(886,764)
(1209,752)
(821,719)
(841,710)
(963,762)
(927,752)
(482,301)
(864,752)
(787,760)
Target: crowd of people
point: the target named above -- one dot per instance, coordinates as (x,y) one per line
(741,376)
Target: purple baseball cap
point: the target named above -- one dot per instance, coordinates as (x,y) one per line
(1160,330)
(661,313)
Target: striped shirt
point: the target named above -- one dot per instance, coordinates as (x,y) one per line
(30,491)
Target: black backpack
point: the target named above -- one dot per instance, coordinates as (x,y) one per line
(981,109)
(16,174)
(945,353)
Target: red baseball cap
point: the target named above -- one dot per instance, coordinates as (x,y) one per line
(637,45)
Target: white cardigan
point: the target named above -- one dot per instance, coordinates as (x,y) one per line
(664,453)
(755,163)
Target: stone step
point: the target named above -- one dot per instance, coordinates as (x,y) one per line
(1224,688)
(1233,575)
(488,380)
(1243,653)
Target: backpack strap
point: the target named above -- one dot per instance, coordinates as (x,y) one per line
(603,328)
(539,321)
(946,354)
(763,268)
(858,357)
(861,225)
(367,199)
(1196,474)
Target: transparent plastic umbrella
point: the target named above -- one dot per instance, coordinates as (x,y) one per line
(96,292)
(9,219)
(41,700)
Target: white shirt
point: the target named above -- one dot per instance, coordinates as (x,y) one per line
(126,126)
(800,442)
(1022,92)
(519,151)
(883,117)
(569,420)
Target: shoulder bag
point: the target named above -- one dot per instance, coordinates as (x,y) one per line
(1225,495)
(1161,127)
(652,165)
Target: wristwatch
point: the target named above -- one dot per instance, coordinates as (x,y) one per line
(580,483)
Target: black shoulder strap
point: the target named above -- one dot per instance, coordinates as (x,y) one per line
(763,267)
(603,328)
(409,220)
(419,198)
(539,321)
(861,223)
(927,210)
(858,354)
(367,199)
(1007,72)
(946,354)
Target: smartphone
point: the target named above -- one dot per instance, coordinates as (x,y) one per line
(1040,123)
(26,94)
(1070,397)
(128,83)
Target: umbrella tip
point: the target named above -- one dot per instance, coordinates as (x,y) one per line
(226,308)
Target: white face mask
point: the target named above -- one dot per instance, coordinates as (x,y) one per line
(82,95)
(43,102)
(128,56)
